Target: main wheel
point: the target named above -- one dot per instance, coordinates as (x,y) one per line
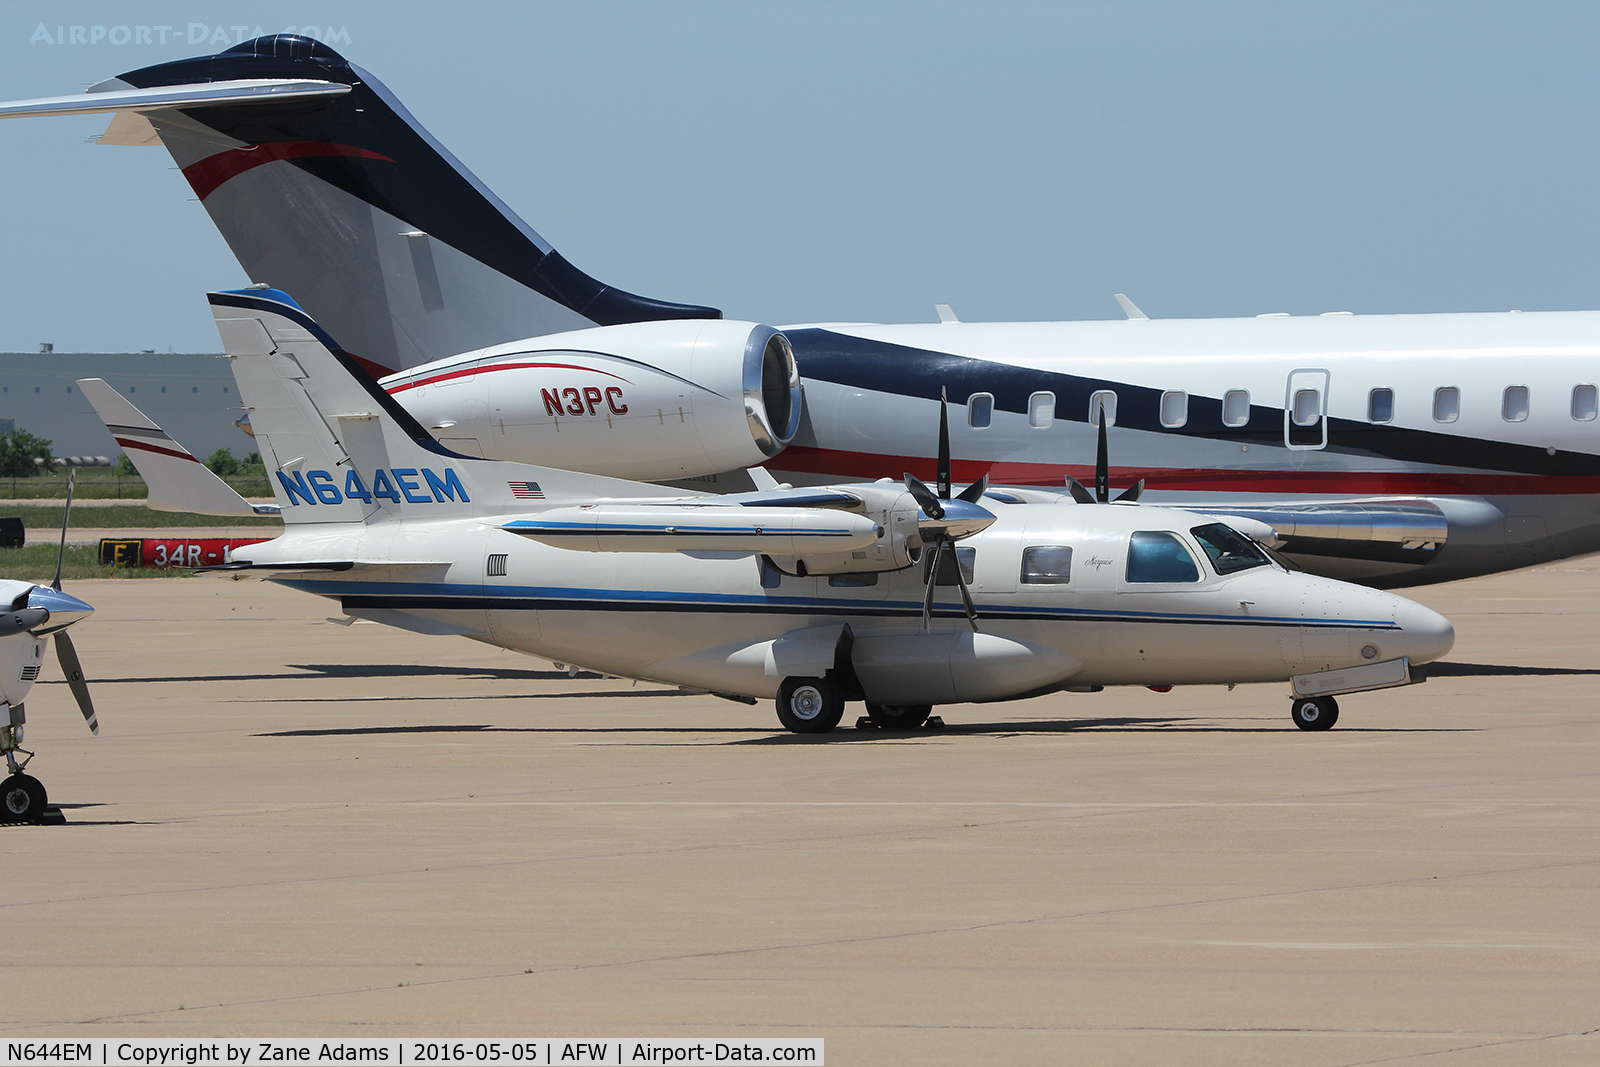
(1315,713)
(22,798)
(899,716)
(809,705)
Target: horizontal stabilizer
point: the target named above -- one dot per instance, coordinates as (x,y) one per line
(246,91)
(176,479)
(683,528)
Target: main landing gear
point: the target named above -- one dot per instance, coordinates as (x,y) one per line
(1314,713)
(815,706)
(810,705)
(22,796)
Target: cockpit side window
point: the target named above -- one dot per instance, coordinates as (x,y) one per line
(1229,550)
(1159,556)
(1046,565)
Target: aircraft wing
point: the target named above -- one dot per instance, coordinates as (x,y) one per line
(210,94)
(177,480)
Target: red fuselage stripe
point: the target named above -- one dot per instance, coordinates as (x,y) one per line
(209,173)
(803,460)
(449,375)
(143,446)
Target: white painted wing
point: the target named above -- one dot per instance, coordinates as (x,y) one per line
(177,480)
(250,91)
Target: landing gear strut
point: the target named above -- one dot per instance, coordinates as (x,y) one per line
(1314,713)
(22,796)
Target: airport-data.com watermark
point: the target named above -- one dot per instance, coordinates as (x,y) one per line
(194,33)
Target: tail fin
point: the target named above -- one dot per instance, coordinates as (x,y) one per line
(340,449)
(343,199)
(176,479)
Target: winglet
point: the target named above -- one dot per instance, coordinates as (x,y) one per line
(946,315)
(1129,308)
(177,480)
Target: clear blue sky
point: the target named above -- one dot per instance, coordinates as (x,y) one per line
(807,161)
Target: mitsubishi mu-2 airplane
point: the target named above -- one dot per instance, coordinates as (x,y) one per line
(1387,449)
(896,593)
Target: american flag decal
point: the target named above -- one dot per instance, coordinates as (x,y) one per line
(526,490)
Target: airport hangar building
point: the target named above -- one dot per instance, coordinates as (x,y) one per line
(191,395)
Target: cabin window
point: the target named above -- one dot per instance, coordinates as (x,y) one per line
(1158,556)
(1235,407)
(1041,410)
(1228,549)
(1174,408)
(1103,400)
(947,571)
(1514,405)
(1446,404)
(771,576)
(1584,403)
(980,410)
(853,581)
(1380,405)
(1046,565)
(1307,407)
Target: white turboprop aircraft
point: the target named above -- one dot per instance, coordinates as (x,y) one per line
(810,596)
(34,614)
(1390,449)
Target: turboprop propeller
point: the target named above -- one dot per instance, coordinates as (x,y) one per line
(37,613)
(1102,477)
(946,519)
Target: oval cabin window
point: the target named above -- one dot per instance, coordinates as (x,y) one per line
(1514,405)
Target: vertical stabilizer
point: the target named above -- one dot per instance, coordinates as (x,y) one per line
(339,449)
(324,185)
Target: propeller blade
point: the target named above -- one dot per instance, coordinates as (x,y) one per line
(933,576)
(66,515)
(1079,492)
(74,672)
(1102,464)
(924,497)
(944,446)
(1133,492)
(972,493)
(966,597)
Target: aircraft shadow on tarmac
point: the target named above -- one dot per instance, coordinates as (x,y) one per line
(409,670)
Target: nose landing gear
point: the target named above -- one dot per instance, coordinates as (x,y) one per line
(1314,713)
(22,796)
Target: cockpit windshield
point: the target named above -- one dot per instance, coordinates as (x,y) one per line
(1228,549)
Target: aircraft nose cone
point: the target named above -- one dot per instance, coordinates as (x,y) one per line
(64,608)
(1427,634)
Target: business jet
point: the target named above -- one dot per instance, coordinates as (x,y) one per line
(1387,449)
(899,594)
(34,614)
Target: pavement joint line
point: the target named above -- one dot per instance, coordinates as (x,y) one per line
(1469,1048)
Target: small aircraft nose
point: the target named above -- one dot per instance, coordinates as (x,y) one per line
(64,608)
(1427,634)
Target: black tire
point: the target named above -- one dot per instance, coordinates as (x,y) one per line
(22,799)
(899,716)
(809,705)
(1315,713)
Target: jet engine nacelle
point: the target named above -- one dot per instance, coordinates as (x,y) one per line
(652,401)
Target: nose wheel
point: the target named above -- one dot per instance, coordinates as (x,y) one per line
(22,799)
(1315,713)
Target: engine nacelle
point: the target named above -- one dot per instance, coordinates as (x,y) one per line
(652,401)
(894,511)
